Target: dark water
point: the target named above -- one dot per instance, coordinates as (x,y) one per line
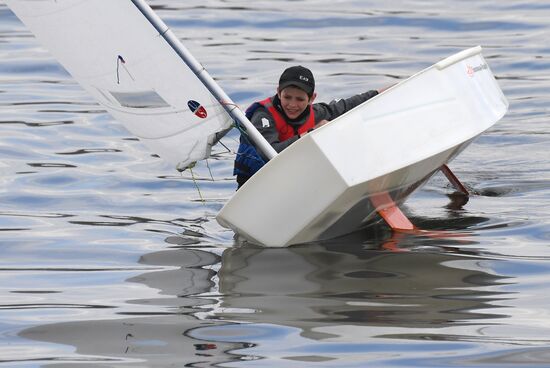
(109,257)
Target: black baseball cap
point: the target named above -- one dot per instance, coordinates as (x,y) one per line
(298,76)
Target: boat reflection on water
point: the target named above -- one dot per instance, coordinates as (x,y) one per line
(341,291)
(313,286)
(336,302)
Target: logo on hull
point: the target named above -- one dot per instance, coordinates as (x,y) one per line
(471,70)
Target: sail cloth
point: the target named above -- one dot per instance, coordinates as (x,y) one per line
(119,57)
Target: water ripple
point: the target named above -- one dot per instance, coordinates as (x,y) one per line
(97,234)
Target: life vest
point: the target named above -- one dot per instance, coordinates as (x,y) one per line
(248,161)
(284,129)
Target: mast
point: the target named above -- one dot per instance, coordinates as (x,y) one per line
(201,73)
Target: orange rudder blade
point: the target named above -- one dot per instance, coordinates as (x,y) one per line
(399,222)
(454,180)
(388,210)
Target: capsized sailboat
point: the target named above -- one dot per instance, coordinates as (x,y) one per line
(333,181)
(338,178)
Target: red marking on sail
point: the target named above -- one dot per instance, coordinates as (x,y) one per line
(197,109)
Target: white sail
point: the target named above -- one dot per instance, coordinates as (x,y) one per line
(115,51)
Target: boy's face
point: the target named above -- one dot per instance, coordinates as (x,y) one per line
(294,101)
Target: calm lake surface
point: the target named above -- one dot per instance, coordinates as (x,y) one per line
(109,257)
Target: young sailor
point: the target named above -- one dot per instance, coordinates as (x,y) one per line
(288,116)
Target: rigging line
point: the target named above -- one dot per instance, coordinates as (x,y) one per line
(243,132)
(227,148)
(225,103)
(120,61)
(117,67)
(190,167)
(163,33)
(127,71)
(236,124)
(209,170)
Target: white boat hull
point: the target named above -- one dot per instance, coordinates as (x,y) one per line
(321,186)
